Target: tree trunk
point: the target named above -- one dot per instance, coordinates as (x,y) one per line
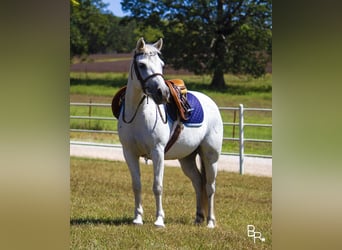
(218,80)
(219,50)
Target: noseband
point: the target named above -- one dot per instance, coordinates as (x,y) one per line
(138,74)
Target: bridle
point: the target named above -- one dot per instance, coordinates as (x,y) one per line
(143,86)
(138,74)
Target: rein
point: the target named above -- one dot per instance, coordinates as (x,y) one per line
(135,113)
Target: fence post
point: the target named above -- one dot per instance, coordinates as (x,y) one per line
(234,121)
(89,113)
(241,126)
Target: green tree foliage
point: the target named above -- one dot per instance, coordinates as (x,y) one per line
(89,27)
(210,36)
(93,29)
(121,37)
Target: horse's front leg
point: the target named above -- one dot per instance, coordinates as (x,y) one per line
(134,168)
(158,166)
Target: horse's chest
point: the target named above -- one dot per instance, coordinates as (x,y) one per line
(142,137)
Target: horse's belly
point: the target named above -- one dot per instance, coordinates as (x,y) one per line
(188,142)
(179,152)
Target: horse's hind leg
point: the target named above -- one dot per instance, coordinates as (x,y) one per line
(134,168)
(209,157)
(190,169)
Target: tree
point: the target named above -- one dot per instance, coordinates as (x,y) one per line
(210,36)
(121,37)
(89,26)
(93,29)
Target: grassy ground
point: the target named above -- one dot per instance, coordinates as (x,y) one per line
(102,210)
(241,89)
(100,88)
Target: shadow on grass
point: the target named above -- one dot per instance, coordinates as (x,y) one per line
(229,89)
(182,221)
(93,221)
(128,221)
(241,89)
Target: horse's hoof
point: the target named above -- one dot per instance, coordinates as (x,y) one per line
(137,223)
(199,221)
(159,222)
(138,220)
(211,224)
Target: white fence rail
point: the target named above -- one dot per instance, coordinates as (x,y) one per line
(238,122)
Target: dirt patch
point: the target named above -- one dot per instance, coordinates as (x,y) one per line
(121,64)
(252,165)
(94,64)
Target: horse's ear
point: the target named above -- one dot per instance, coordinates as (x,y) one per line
(159,44)
(140,44)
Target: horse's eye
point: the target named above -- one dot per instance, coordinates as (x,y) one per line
(142,65)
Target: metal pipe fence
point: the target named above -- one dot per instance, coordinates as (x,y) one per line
(239,116)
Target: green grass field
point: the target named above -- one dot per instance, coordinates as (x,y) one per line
(254,93)
(102,210)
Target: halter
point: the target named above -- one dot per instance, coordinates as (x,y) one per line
(143,82)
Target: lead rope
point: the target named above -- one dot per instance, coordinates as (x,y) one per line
(136,111)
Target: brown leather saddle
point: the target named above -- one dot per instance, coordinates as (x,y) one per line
(178,92)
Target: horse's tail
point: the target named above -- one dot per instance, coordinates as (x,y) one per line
(204,198)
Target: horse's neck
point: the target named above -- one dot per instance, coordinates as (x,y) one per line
(133,98)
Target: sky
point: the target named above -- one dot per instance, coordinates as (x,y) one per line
(115,7)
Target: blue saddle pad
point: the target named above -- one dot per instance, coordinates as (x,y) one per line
(196,114)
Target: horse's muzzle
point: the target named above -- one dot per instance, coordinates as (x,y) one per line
(161,95)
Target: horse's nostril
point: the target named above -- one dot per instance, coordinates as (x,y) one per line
(159,92)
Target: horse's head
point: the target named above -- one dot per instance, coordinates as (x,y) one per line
(148,69)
